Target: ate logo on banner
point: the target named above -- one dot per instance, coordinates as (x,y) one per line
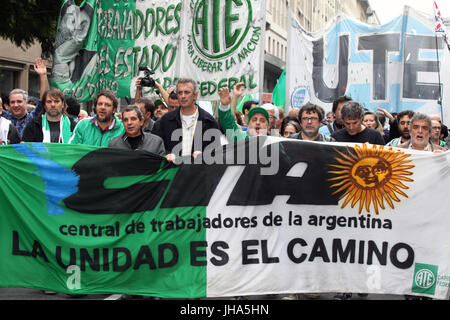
(211,38)
(425,278)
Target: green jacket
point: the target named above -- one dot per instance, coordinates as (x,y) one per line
(229,125)
(86,132)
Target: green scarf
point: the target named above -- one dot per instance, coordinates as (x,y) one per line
(64,129)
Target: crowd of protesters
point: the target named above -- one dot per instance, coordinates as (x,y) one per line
(171,124)
(151,123)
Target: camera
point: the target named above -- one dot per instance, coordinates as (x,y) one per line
(147,80)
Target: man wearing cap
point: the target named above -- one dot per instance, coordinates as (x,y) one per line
(258,119)
(160,109)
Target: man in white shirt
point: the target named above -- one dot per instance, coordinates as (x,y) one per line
(183,129)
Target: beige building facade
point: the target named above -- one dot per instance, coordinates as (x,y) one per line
(16,68)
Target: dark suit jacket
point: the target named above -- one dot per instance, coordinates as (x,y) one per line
(171,121)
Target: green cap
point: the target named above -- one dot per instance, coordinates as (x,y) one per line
(256,110)
(158,102)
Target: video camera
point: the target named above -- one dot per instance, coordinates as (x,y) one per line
(147,80)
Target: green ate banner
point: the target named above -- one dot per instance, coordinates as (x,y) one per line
(102,44)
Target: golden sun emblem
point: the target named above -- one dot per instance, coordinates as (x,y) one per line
(371,175)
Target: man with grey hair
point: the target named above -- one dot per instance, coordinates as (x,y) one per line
(182,129)
(274,116)
(420,128)
(18,98)
(352,114)
(134,137)
(8,133)
(18,114)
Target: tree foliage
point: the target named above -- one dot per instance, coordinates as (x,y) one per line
(25,22)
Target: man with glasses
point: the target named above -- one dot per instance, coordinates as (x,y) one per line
(420,128)
(310,117)
(436,134)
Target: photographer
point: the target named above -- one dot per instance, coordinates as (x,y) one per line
(148,81)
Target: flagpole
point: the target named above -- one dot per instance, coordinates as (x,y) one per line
(439,27)
(439,77)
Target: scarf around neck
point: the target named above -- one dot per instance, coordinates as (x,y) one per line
(64,129)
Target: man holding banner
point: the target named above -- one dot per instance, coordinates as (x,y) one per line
(421,128)
(183,129)
(352,115)
(311,117)
(105,126)
(258,119)
(52,126)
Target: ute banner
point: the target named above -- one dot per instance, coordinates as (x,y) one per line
(394,66)
(101,45)
(268,216)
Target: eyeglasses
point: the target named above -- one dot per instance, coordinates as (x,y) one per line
(307,119)
(436,128)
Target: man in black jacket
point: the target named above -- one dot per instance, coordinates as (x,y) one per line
(183,129)
(52,126)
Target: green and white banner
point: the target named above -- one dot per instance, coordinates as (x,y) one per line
(223,44)
(101,45)
(326,218)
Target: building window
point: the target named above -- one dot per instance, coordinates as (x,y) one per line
(33,85)
(8,80)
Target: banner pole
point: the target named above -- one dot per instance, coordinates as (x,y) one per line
(262,55)
(287,104)
(439,77)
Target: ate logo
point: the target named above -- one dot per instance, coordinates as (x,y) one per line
(425,277)
(219,27)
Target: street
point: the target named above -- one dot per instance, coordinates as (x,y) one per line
(34,294)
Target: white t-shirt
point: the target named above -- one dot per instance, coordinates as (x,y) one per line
(188,123)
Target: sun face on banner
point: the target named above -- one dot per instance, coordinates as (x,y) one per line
(370,175)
